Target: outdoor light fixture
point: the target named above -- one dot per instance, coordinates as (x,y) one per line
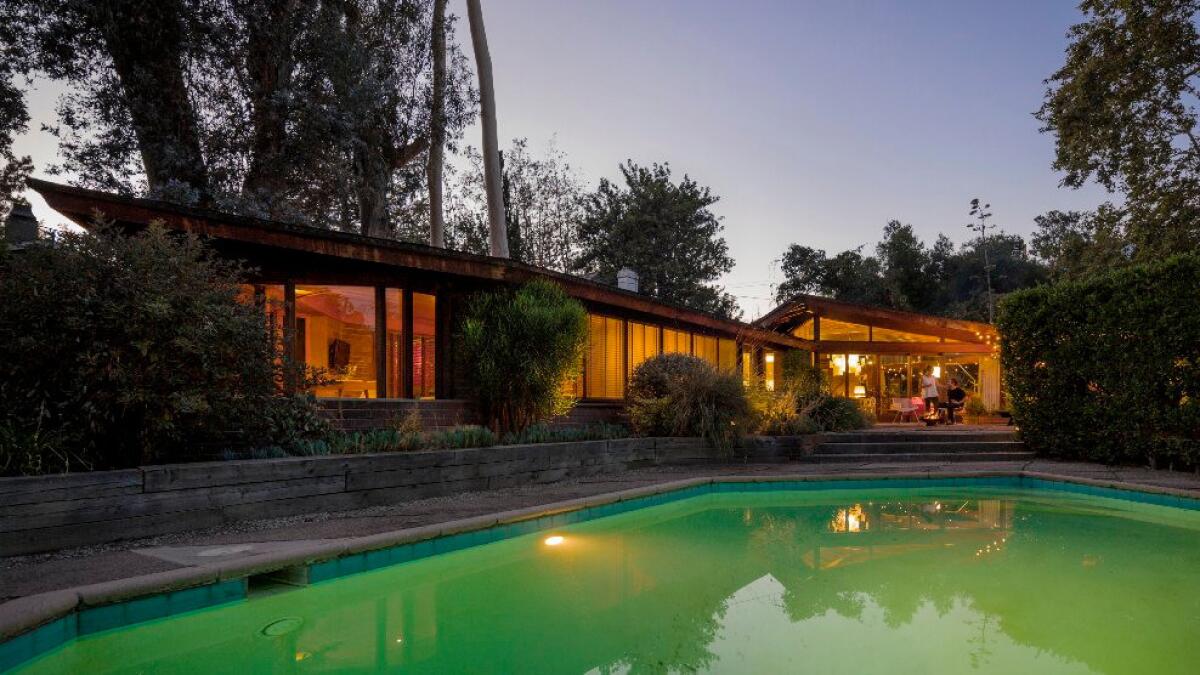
(554,540)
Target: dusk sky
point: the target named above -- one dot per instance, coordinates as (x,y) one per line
(815,122)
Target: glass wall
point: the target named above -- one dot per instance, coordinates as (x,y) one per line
(604,375)
(832,329)
(704,347)
(424,345)
(335,333)
(394,341)
(727,352)
(676,342)
(887,377)
(643,343)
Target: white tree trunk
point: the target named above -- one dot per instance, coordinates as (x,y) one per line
(437,128)
(491,141)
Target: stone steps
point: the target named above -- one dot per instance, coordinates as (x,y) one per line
(920,445)
(930,457)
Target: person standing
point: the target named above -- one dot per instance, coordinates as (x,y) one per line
(929,390)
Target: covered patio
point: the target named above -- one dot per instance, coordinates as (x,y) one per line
(876,355)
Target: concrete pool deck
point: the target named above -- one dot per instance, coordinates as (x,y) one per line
(189,553)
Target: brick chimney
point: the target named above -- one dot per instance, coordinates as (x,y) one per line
(21,227)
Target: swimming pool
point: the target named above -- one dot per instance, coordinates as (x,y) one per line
(1003,576)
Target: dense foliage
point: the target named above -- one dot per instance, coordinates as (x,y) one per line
(1108,369)
(296,109)
(801,403)
(681,395)
(661,229)
(118,351)
(1123,109)
(907,274)
(519,348)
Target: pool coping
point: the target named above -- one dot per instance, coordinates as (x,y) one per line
(33,625)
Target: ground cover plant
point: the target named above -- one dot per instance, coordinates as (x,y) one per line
(1108,368)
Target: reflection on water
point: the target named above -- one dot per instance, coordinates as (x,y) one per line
(895,582)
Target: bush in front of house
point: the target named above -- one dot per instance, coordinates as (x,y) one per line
(1108,369)
(681,395)
(520,347)
(799,404)
(126,350)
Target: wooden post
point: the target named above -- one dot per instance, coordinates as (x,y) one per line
(380,342)
(290,346)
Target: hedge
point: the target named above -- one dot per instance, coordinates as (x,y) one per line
(1108,368)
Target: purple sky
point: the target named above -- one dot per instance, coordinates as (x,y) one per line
(815,122)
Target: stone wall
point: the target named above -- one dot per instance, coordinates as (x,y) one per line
(46,513)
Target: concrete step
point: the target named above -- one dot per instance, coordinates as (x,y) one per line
(913,447)
(932,436)
(917,457)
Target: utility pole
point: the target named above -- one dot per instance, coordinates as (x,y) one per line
(981,214)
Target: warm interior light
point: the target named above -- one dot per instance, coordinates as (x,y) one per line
(770,358)
(855,364)
(937,371)
(554,540)
(860,391)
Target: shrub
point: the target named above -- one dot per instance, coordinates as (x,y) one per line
(975,407)
(680,395)
(1108,368)
(520,347)
(123,350)
(831,413)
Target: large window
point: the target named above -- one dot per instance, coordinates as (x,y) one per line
(643,343)
(335,333)
(805,330)
(705,347)
(727,351)
(832,329)
(424,345)
(605,372)
(394,341)
(676,342)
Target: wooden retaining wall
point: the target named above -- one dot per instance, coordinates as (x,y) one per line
(46,513)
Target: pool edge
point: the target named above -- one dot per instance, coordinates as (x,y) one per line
(33,625)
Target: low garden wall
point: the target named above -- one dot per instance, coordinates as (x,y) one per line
(43,513)
(364,414)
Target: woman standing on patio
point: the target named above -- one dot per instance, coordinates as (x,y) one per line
(929,390)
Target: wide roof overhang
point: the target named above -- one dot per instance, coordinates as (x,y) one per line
(84,207)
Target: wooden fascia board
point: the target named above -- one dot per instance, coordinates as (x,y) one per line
(861,347)
(82,206)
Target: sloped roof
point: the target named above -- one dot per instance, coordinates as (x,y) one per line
(83,205)
(801,307)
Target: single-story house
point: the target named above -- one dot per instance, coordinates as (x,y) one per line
(379,315)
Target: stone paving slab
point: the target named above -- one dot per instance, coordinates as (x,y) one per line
(25,575)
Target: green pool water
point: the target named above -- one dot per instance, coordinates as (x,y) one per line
(926,580)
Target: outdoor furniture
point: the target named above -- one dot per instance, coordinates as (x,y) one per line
(903,407)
